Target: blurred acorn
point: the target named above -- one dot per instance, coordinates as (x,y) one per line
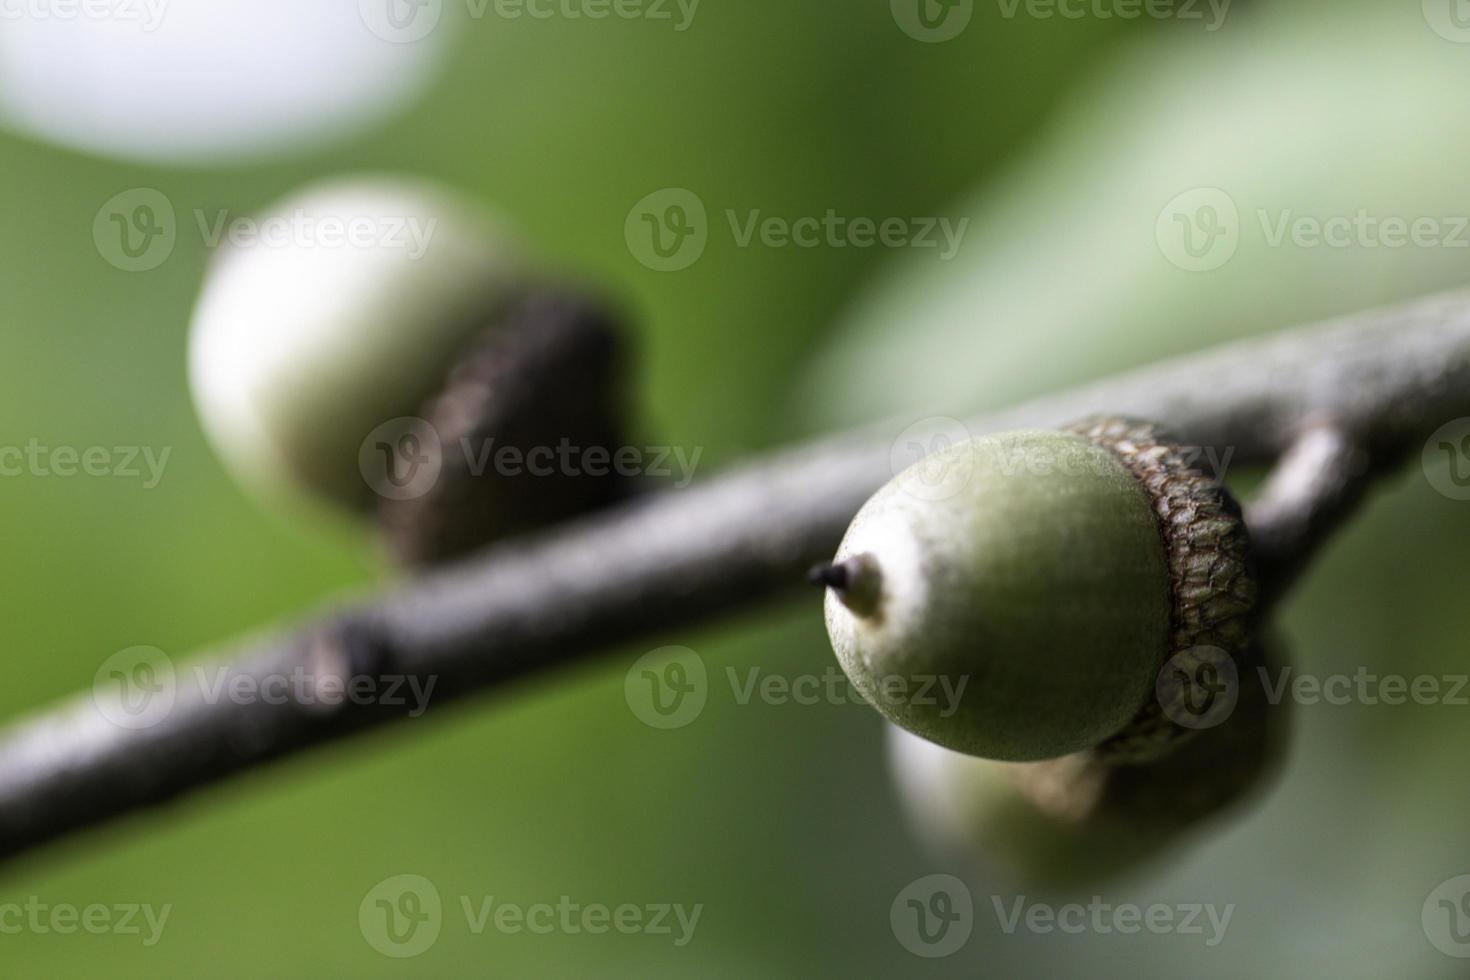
(1068,822)
(382,370)
(1045,578)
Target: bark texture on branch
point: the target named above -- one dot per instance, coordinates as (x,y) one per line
(677,558)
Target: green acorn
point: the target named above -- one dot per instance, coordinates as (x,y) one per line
(1016,596)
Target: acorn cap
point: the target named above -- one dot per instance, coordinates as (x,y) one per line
(1212,582)
(537,388)
(1021,604)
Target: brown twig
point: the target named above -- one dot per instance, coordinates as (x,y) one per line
(674,559)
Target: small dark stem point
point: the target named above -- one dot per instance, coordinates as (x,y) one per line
(831,575)
(855,581)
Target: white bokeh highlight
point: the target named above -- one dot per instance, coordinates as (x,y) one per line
(201,81)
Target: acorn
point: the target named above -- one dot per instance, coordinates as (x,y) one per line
(1016,596)
(421,340)
(1068,822)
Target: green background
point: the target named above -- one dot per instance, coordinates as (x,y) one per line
(1062,139)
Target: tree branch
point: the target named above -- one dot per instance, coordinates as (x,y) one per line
(676,558)
(1315,487)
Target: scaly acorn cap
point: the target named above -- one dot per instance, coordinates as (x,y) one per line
(1212,580)
(545,374)
(1016,596)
